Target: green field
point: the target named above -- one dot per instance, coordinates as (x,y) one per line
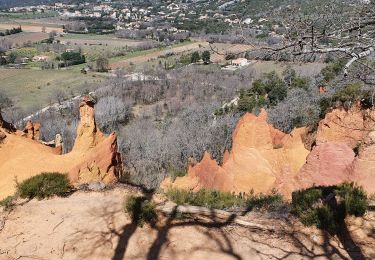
(31,89)
(27,15)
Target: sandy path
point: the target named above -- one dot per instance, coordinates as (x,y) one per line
(93,226)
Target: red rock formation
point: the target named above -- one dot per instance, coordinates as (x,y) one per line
(94,157)
(263,158)
(364,164)
(327,164)
(259,155)
(37,127)
(332,161)
(349,127)
(29,130)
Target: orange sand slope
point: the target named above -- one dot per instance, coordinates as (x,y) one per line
(94,157)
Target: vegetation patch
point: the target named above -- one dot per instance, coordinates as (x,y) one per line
(45,185)
(8,202)
(141,210)
(223,200)
(327,207)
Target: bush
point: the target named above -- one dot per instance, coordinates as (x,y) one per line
(268,202)
(349,93)
(354,199)
(223,200)
(71,58)
(140,210)
(195,57)
(332,70)
(7,203)
(45,185)
(206,57)
(327,207)
(205,198)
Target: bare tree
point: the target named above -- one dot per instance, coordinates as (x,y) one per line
(344,28)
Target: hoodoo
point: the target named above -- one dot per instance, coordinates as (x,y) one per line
(94,156)
(260,155)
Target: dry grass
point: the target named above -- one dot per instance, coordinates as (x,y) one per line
(152,54)
(31,88)
(108,40)
(24,37)
(31,27)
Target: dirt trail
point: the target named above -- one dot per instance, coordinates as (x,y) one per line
(92,225)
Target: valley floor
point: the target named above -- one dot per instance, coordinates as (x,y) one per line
(93,225)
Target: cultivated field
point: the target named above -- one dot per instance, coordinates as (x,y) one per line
(31,89)
(31,27)
(148,55)
(225,48)
(108,40)
(25,37)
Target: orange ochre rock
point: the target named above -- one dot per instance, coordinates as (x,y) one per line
(346,126)
(94,157)
(264,159)
(260,155)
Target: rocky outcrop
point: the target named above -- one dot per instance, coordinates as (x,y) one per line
(264,159)
(364,164)
(327,164)
(94,156)
(260,155)
(32,130)
(333,160)
(346,126)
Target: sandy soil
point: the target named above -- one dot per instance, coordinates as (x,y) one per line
(92,225)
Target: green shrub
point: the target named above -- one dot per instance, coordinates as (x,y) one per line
(140,210)
(268,202)
(8,202)
(195,57)
(223,200)
(206,57)
(354,199)
(327,207)
(324,105)
(205,198)
(177,173)
(351,93)
(45,185)
(332,70)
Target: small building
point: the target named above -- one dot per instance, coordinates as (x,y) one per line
(240,62)
(40,58)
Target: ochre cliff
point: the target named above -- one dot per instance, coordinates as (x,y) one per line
(94,157)
(333,160)
(260,155)
(264,159)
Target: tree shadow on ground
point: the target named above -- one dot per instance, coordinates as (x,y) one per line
(223,233)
